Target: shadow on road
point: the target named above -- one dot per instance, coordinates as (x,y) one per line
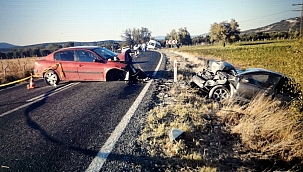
(34,125)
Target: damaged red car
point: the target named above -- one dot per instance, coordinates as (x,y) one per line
(83,63)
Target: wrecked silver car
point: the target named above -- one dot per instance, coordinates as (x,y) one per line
(221,81)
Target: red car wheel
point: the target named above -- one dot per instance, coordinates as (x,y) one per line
(51,77)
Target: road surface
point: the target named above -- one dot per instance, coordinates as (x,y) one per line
(65,128)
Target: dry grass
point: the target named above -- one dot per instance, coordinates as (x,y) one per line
(266,128)
(186,114)
(15,69)
(259,136)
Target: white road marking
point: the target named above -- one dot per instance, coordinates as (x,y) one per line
(100,159)
(41,97)
(49,92)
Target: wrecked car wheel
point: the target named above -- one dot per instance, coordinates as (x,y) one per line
(219,93)
(115,75)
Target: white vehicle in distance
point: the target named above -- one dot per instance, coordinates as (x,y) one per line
(137,47)
(124,49)
(153,45)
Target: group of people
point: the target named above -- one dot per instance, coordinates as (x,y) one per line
(142,47)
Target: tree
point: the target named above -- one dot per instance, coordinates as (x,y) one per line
(136,36)
(44,52)
(54,47)
(201,40)
(69,44)
(26,52)
(145,35)
(16,53)
(234,32)
(225,32)
(182,36)
(9,55)
(35,52)
(2,55)
(172,36)
(128,37)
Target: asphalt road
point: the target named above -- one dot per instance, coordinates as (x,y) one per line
(64,128)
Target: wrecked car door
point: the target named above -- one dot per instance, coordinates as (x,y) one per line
(285,91)
(251,84)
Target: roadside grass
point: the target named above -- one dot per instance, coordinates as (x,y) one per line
(210,134)
(187,115)
(284,56)
(266,128)
(15,69)
(262,135)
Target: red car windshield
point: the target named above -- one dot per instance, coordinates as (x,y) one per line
(105,53)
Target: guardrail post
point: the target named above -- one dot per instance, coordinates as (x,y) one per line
(4,71)
(19,63)
(1,68)
(24,67)
(175,71)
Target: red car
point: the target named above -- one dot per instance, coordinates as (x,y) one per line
(84,63)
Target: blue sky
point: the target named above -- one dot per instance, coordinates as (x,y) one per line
(26,22)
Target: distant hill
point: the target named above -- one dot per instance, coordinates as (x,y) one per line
(44,45)
(292,24)
(159,37)
(6,45)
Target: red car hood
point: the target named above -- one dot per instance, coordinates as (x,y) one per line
(121,56)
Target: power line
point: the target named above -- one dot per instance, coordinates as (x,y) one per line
(264,16)
(301,16)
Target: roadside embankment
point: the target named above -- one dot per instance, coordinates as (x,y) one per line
(254,137)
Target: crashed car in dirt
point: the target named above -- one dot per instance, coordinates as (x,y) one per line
(220,81)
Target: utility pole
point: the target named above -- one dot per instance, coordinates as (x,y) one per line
(301,16)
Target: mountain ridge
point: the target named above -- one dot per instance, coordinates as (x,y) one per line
(291,24)
(6,45)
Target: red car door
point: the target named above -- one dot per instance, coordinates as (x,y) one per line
(89,70)
(68,64)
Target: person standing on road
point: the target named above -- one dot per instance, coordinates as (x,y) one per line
(143,47)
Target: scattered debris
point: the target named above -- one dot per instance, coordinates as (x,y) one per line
(174,133)
(4,166)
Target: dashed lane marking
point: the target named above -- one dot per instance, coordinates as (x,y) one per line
(41,97)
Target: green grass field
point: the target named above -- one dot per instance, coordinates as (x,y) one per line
(284,56)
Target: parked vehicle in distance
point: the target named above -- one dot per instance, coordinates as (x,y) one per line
(221,81)
(124,49)
(83,63)
(153,45)
(137,47)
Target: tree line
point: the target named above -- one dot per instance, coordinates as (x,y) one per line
(37,51)
(223,32)
(41,51)
(219,33)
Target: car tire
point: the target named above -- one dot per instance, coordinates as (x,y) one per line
(115,75)
(219,93)
(51,77)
